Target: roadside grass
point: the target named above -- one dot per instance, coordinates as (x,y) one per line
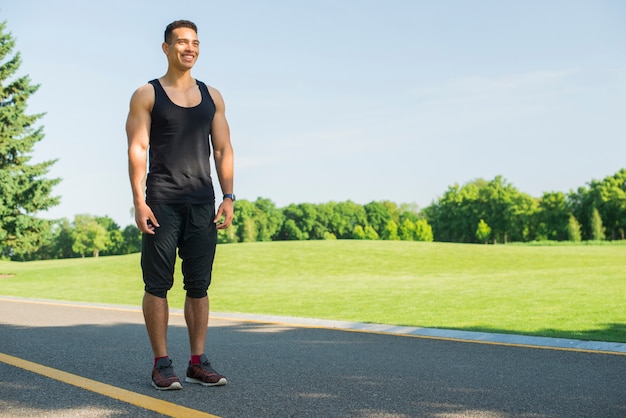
(566,291)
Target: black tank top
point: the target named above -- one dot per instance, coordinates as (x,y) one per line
(180,150)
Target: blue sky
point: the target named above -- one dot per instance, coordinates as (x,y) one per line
(336,100)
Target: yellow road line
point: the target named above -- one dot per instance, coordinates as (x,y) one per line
(133,398)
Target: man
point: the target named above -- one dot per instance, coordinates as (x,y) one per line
(177,120)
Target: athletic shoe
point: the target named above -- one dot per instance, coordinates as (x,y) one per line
(204,374)
(163,376)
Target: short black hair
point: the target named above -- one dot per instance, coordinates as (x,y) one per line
(178,24)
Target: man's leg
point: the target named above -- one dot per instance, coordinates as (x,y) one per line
(156,315)
(158,257)
(197,317)
(197,253)
(200,370)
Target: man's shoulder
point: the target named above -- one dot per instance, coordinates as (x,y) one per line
(208,86)
(144,94)
(215,95)
(148,87)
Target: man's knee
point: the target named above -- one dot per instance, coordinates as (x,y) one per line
(158,290)
(196,292)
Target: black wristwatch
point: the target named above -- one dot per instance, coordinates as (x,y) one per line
(229,196)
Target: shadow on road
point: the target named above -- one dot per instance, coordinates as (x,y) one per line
(288,371)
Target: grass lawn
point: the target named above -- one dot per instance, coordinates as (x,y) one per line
(569,291)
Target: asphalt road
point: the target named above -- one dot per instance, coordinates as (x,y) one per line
(280,370)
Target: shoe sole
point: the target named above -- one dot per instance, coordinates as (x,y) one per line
(173,386)
(220,382)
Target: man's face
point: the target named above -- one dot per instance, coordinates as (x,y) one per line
(183,49)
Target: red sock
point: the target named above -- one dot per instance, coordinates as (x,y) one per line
(157,359)
(195,359)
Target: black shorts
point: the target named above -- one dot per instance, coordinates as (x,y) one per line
(190,228)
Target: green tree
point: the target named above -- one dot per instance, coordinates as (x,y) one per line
(508,212)
(378,215)
(451,216)
(553,217)
(43,251)
(358,232)
(406,231)
(63,240)
(268,219)
(573,229)
(344,217)
(243,221)
(89,237)
(132,239)
(228,235)
(365,233)
(329,236)
(23,188)
(581,205)
(115,239)
(247,230)
(391,231)
(290,231)
(423,231)
(523,213)
(408,211)
(609,197)
(483,231)
(597,229)
(370,233)
(305,219)
(253,221)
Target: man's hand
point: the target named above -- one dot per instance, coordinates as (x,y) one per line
(145,219)
(224,216)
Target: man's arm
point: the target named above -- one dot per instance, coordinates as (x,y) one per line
(224,158)
(138,133)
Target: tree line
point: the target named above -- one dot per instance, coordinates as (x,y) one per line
(495,211)
(85,236)
(480,211)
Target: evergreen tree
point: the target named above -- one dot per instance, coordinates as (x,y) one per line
(573,229)
(23,189)
(597,229)
(483,231)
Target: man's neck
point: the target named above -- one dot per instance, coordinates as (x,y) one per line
(177,79)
